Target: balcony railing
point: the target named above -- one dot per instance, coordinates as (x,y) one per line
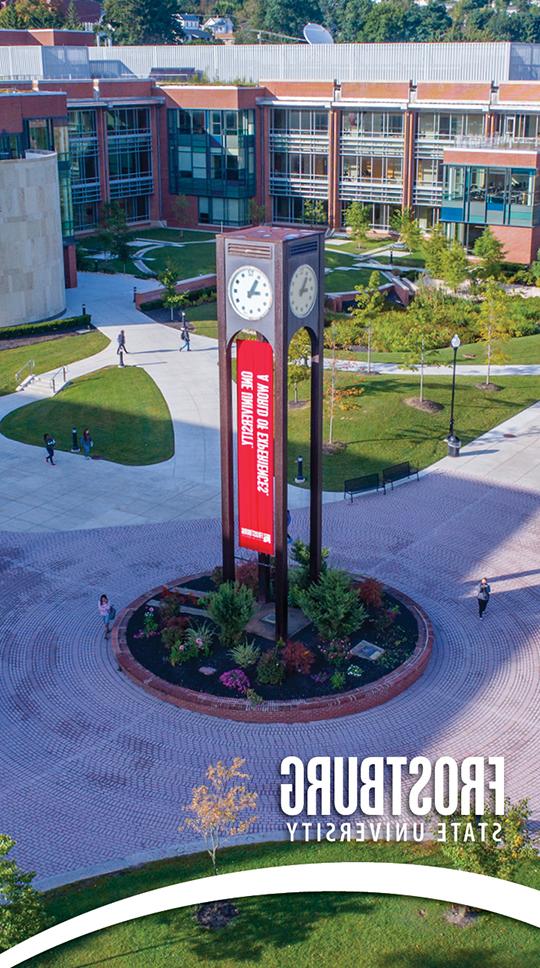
(497,142)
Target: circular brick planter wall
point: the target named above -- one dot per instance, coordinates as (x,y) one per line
(292,710)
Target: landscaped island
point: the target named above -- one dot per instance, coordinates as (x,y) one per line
(209,644)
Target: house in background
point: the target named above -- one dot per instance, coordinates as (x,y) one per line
(221,28)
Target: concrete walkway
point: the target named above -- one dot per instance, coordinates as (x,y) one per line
(88,494)
(80,494)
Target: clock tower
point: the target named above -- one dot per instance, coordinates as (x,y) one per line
(270,280)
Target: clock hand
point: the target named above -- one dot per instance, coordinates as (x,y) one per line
(253,291)
(304,287)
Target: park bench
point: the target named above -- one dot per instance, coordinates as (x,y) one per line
(356,485)
(397,472)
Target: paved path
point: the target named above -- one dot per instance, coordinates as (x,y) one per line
(89,494)
(462,369)
(95,772)
(85,494)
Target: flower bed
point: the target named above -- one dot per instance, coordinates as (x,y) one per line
(168,642)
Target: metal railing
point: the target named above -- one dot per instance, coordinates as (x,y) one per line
(27,368)
(496,141)
(54,381)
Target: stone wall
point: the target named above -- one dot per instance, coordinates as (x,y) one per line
(31,253)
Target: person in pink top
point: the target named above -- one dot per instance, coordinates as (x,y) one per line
(107,613)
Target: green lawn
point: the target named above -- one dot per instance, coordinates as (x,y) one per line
(518,350)
(346,280)
(381,430)
(193,260)
(126,413)
(356,248)
(303,931)
(402,258)
(334,259)
(204,318)
(48,355)
(173,235)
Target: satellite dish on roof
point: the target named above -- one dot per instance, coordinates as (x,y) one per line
(315,34)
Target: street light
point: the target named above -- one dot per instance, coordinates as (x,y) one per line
(454,443)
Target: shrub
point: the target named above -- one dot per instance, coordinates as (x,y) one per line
(231,608)
(67,325)
(332,605)
(370,592)
(355,672)
(254,698)
(245,654)
(248,574)
(270,668)
(174,631)
(299,578)
(200,637)
(236,680)
(150,622)
(337,652)
(337,680)
(297,657)
(170,605)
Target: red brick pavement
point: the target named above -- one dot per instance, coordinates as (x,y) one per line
(95,770)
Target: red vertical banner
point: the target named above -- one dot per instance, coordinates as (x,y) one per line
(255,403)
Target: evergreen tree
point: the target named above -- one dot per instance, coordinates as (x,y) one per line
(72,21)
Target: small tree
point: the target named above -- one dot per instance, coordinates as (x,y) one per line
(434,250)
(21,909)
(465,848)
(405,223)
(336,337)
(314,212)
(168,279)
(491,252)
(257,213)
(454,265)
(180,208)
(422,333)
(114,232)
(494,325)
(358,221)
(296,374)
(300,347)
(221,808)
(368,304)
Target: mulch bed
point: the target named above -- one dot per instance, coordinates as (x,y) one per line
(427,406)
(151,653)
(488,387)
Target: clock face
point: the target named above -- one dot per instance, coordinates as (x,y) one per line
(250,292)
(303,291)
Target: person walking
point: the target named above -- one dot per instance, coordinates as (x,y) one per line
(107,613)
(50,443)
(121,340)
(86,444)
(484,591)
(185,337)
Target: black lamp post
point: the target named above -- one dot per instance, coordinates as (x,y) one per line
(454,443)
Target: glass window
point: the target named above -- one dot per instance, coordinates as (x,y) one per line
(395,123)
(321,121)
(474,124)
(426,124)
(279,119)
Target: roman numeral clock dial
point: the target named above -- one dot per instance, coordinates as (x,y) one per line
(303,291)
(250,292)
